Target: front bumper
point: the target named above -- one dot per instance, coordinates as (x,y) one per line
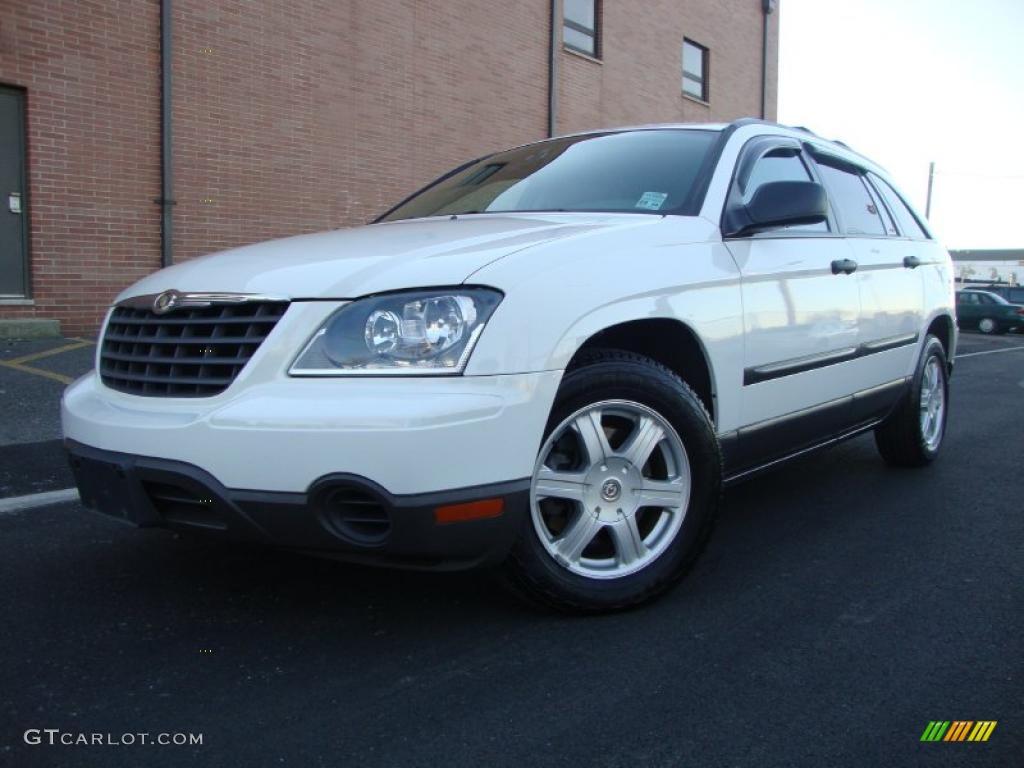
(341,515)
(289,461)
(282,434)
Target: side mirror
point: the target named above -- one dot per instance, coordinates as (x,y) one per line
(777,204)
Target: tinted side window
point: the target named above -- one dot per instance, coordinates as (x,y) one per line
(966,298)
(890,225)
(780,165)
(850,197)
(1016,295)
(905,217)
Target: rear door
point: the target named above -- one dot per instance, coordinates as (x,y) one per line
(891,290)
(800,318)
(990,313)
(918,250)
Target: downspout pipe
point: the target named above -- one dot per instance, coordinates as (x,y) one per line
(553,46)
(767,6)
(166,199)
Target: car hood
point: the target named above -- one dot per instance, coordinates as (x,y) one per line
(378,257)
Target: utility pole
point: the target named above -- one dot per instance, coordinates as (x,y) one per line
(931,179)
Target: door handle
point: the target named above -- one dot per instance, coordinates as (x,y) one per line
(844,266)
(911,262)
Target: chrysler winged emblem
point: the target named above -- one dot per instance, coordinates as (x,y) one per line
(165,302)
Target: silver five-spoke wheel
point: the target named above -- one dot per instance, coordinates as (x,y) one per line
(933,403)
(610,489)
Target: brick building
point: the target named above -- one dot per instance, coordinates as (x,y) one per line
(289,117)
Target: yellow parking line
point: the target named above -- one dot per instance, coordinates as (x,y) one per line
(36,371)
(78,344)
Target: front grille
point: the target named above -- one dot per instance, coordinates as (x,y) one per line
(195,352)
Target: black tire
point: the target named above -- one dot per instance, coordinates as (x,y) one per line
(617,375)
(899,438)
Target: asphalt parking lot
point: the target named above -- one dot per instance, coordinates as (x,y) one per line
(840,607)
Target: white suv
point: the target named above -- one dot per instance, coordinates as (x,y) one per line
(551,358)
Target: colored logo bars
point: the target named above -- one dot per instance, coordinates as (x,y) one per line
(958,730)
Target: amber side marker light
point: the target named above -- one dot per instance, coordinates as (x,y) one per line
(472,510)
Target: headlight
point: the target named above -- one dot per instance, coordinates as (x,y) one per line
(414,332)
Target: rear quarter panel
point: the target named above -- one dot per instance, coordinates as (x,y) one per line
(939,289)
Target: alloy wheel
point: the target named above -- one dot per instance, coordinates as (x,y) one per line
(610,489)
(933,403)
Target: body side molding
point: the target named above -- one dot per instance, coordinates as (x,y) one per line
(801,364)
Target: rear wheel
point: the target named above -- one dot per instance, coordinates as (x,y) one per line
(913,433)
(624,489)
(988,325)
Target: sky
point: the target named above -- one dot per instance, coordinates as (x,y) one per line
(907,82)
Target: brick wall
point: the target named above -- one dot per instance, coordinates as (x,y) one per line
(639,76)
(311,114)
(91,74)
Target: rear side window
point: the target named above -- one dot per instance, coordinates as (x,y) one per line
(890,225)
(907,221)
(851,199)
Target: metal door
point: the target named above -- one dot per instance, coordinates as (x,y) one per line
(13,202)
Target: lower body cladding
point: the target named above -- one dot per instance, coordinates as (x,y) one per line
(341,516)
(761,445)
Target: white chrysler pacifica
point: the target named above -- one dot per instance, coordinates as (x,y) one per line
(552,358)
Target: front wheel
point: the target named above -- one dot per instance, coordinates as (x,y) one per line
(624,490)
(988,325)
(912,435)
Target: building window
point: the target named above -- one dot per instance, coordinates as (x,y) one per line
(695,70)
(579,31)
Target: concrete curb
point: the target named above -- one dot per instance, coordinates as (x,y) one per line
(29,328)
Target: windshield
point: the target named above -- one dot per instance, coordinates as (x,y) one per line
(650,171)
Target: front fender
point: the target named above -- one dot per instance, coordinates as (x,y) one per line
(545,319)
